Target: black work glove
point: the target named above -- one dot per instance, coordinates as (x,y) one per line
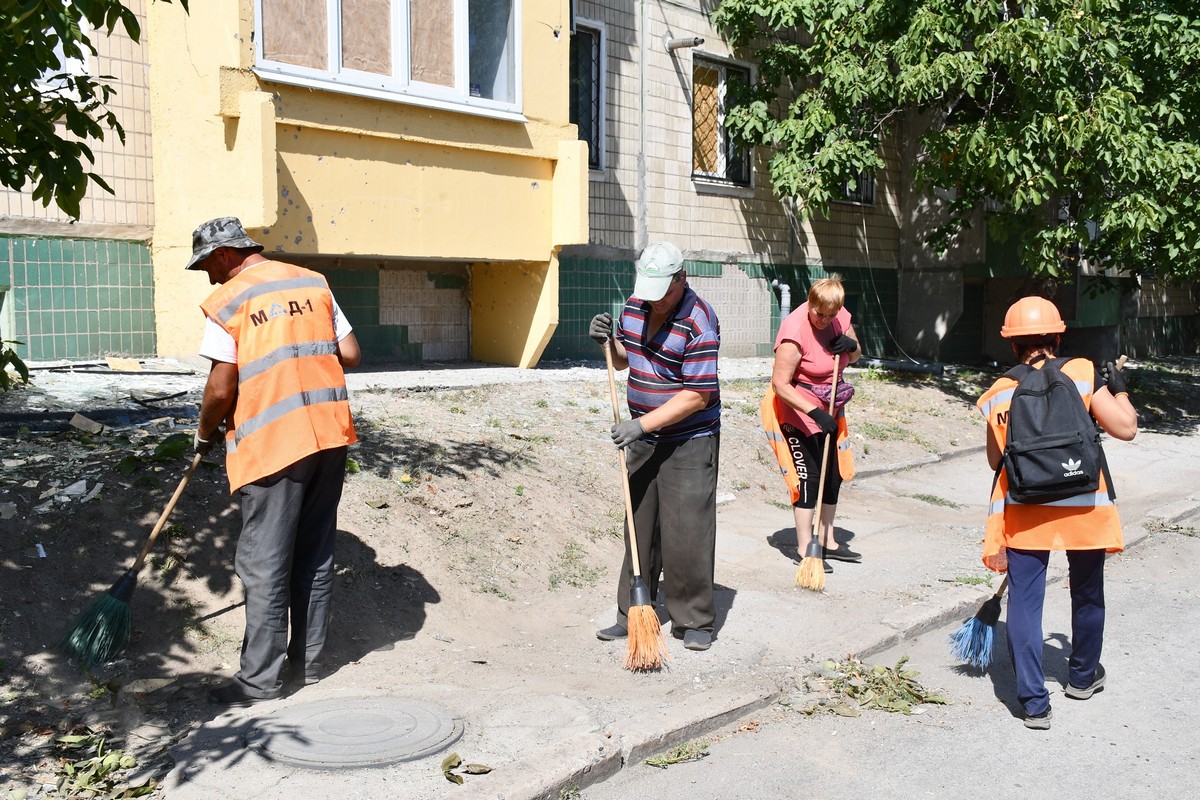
(626,433)
(824,419)
(202,446)
(1114,378)
(842,344)
(601,328)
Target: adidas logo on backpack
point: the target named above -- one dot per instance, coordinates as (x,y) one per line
(1053,447)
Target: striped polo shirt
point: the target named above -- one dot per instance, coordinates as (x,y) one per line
(682,355)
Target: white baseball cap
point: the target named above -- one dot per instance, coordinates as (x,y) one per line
(656,269)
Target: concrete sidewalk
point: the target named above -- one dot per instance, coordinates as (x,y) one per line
(547,719)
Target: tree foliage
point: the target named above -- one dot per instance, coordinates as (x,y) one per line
(52,111)
(1075,123)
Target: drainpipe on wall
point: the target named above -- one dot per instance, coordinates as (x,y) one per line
(785,298)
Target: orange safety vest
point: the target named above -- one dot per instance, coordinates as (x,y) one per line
(292,399)
(1082,522)
(769,411)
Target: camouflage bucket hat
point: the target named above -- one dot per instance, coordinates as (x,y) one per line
(219,232)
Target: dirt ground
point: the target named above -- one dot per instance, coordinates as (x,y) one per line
(477,499)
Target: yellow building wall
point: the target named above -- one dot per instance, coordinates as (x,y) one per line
(313,172)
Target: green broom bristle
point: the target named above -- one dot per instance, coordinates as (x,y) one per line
(99,633)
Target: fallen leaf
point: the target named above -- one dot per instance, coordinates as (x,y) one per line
(476,769)
(450,762)
(377,503)
(514,539)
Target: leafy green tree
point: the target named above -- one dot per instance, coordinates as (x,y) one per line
(51,111)
(1076,123)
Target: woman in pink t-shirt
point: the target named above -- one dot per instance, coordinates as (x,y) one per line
(809,340)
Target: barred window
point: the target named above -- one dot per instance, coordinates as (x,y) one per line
(587,90)
(714,154)
(440,53)
(859,189)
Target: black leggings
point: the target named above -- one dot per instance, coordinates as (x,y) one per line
(806,455)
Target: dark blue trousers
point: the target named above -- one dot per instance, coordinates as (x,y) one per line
(1026,597)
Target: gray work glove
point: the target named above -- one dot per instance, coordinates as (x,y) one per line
(824,419)
(842,344)
(1114,378)
(601,328)
(202,446)
(626,433)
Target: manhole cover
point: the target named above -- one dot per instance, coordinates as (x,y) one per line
(355,732)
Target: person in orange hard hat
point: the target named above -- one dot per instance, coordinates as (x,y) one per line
(278,344)
(1020,535)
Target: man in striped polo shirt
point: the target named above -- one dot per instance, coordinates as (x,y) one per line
(668,338)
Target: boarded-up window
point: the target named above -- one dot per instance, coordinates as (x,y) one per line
(296,32)
(367,36)
(428,52)
(706,83)
(432,37)
(715,155)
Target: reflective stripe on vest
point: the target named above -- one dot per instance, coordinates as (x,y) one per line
(292,399)
(1086,521)
(227,312)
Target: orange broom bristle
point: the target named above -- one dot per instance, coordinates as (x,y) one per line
(647,648)
(811,574)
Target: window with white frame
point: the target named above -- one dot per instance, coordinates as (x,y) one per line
(587,88)
(715,156)
(859,189)
(440,53)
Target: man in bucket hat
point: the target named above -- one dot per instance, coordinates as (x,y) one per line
(668,338)
(278,344)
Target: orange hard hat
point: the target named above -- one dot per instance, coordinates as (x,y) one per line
(1031,316)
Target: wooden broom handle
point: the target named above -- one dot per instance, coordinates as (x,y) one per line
(837,360)
(616,409)
(162,519)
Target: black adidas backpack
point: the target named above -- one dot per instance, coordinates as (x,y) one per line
(1052,449)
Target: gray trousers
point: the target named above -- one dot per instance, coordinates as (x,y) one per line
(674,492)
(285,561)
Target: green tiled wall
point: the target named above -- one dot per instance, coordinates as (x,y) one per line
(588,286)
(79,298)
(872,297)
(357,293)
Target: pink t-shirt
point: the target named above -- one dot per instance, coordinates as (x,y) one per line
(816,362)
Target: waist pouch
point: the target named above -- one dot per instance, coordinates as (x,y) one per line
(845,391)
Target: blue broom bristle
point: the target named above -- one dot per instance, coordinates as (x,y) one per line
(972,643)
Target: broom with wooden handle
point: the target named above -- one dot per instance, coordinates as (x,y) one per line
(811,572)
(646,648)
(104,627)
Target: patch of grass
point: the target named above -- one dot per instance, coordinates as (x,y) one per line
(780,505)
(694,750)
(542,403)
(572,568)
(569,793)
(520,490)
(894,432)
(457,410)
(934,500)
(974,580)
(491,588)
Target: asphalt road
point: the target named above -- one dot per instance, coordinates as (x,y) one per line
(1135,739)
